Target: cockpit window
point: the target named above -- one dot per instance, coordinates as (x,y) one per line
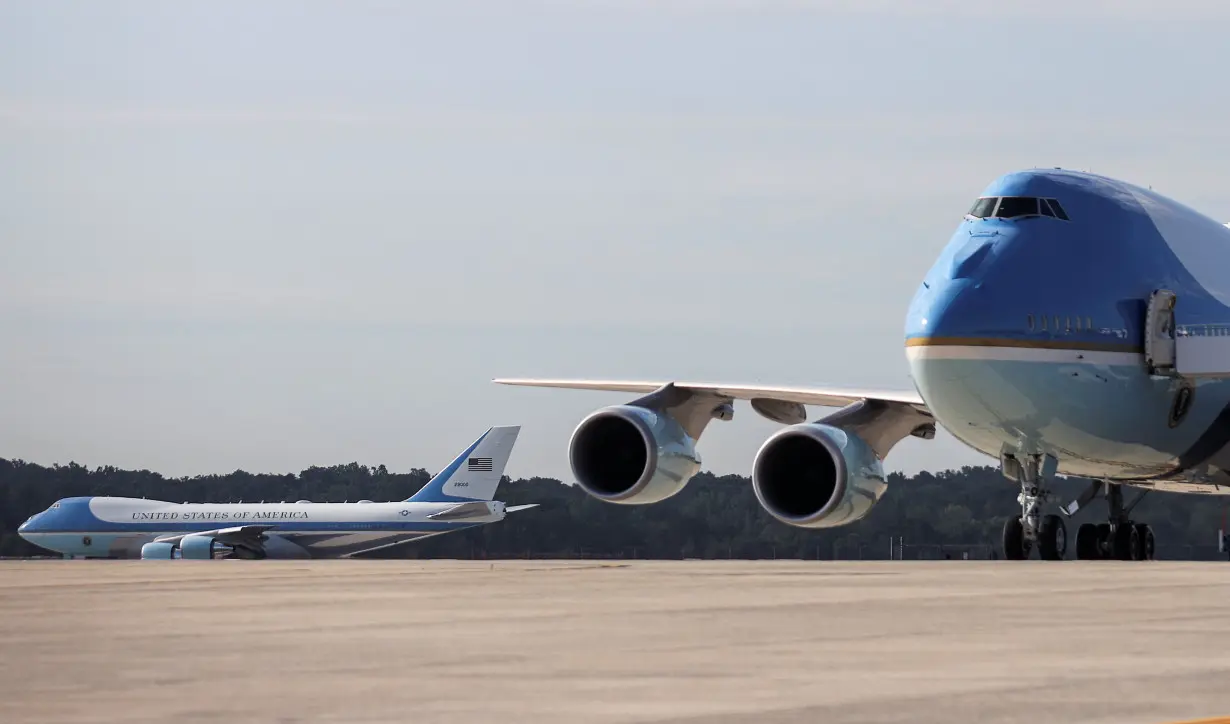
(1014,206)
(983,207)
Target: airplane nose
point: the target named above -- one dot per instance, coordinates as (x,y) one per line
(946,310)
(958,309)
(962,297)
(31,524)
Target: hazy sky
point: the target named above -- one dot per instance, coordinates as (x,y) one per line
(271,235)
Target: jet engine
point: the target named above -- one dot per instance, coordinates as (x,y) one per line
(814,475)
(632,455)
(201,547)
(155,551)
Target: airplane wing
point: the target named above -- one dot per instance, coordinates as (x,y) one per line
(881,417)
(822,396)
(229,536)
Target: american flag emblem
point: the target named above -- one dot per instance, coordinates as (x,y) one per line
(479,465)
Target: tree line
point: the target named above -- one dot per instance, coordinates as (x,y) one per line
(954,513)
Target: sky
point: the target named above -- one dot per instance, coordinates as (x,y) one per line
(265,236)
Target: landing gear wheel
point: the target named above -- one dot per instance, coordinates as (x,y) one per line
(1120,538)
(1016,548)
(1145,535)
(1087,543)
(1104,541)
(1124,542)
(1138,542)
(1052,539)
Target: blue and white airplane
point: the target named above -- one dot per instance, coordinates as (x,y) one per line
(461,496)
(1074,324)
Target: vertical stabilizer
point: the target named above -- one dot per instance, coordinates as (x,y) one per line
(475,473)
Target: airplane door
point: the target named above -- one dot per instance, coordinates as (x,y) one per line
(1160,333)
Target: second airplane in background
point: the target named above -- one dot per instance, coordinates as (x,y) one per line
(461,496)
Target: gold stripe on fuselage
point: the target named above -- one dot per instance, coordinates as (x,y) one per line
(1022,344)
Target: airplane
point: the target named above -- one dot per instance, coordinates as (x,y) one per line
(460,496)
(1074,324)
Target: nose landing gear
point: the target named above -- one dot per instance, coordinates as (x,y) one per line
(1032,529)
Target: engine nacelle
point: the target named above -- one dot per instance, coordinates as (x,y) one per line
(817,476)
(201,547)
(632,455)
(159,551)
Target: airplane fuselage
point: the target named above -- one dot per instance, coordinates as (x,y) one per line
(1027,334)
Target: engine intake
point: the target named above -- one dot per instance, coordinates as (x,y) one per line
(632,455)
(817,476)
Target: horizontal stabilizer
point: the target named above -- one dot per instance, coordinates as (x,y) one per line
(476,509)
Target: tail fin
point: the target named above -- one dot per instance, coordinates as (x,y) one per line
(475,473)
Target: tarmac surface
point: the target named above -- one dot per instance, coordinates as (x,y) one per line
(584,641)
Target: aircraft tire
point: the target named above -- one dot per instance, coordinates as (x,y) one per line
(1015,546)
(1087,548)
(1124,542)
(1104,541)
(1052,539)
(1146,542)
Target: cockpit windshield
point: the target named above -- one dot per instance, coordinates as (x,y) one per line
(1015,207)
(1011,207)
(983,207)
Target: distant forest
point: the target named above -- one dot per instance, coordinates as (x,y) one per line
(953,513)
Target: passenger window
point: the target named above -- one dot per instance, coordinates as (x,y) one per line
(1045,208)
(1089,323)
(1031,322)
(983,207)
(1014,206)
(1043,322)
(1078,324)
(1059,212)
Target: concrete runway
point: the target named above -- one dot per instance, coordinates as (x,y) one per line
(545,641)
